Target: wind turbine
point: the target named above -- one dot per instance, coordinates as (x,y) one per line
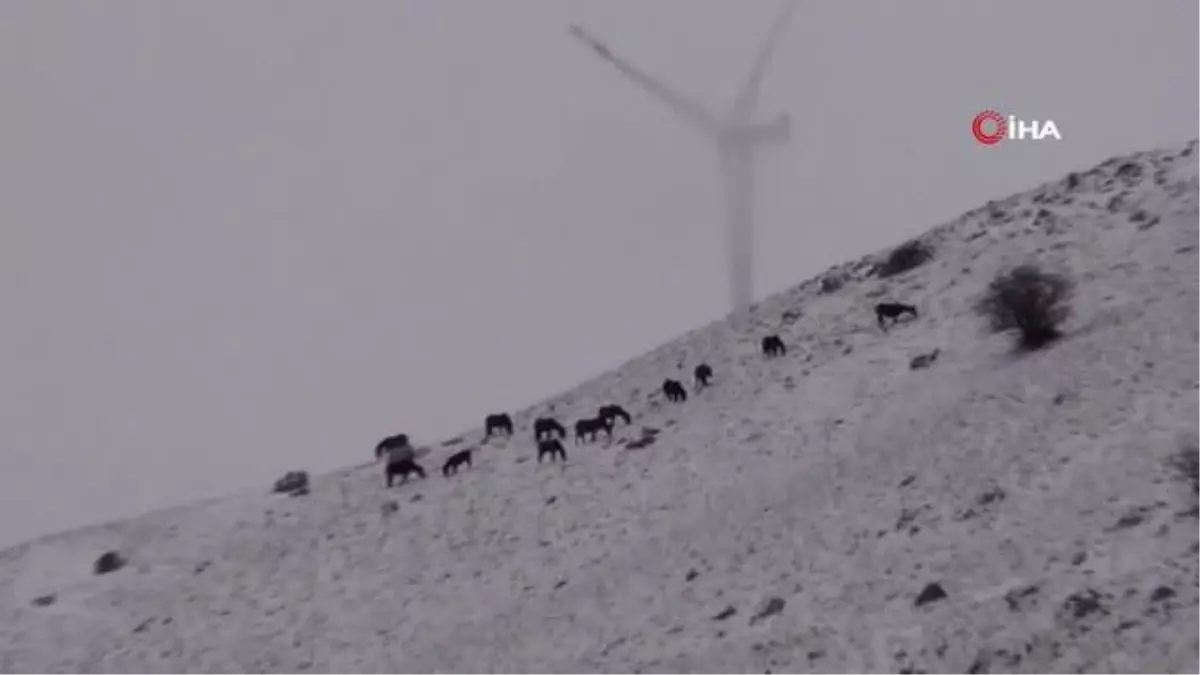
(737,139)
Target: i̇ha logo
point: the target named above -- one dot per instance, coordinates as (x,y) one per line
(990,127)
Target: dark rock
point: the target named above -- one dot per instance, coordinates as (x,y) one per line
(770,607)
(725,613)
(1162,593)
(905,519)
(1014,597)
(1083,604)
(691,575)
(1134,517)
(109,562)
(45,600)
(389,507)
(993,495)
(931,593)
(923,361)
(292,482)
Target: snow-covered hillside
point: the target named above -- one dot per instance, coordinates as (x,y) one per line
(785,519)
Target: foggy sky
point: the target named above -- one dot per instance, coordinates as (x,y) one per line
(245,237)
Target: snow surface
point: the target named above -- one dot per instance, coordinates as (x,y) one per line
(834,479)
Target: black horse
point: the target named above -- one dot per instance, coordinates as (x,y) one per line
(612,412)
(893,311)
(497,422)
(773,346)
(703,374)
(590,427)
(547,427)
(552,447)
(456,460)
(674,391)
(403,469)
(390,442)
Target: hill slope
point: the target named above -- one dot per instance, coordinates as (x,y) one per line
(824,489)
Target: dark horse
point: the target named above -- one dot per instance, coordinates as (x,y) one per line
(498,422)
(703,374)
(454,461)
(893,311)
(613,411)
(674,391)
(390,442)
(773,346)
(592,426)
(547,427)
(552,447)
(403,469)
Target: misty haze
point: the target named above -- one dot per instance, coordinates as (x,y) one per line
(582,336)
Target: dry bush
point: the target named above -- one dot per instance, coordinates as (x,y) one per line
(1029,301)
(903,258)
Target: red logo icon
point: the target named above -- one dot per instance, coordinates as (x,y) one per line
(989,127)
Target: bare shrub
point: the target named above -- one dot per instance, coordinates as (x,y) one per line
(832,283)
(294,483)
(903,258)
(1029,301)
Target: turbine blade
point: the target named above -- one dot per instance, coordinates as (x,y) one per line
(687,108)
(743,106)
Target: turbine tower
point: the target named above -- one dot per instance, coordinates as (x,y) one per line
(736,138)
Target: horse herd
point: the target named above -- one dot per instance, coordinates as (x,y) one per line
(549,433)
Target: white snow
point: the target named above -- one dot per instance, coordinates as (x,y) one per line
(835,479)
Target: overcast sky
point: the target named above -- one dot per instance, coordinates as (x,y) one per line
(245,237)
